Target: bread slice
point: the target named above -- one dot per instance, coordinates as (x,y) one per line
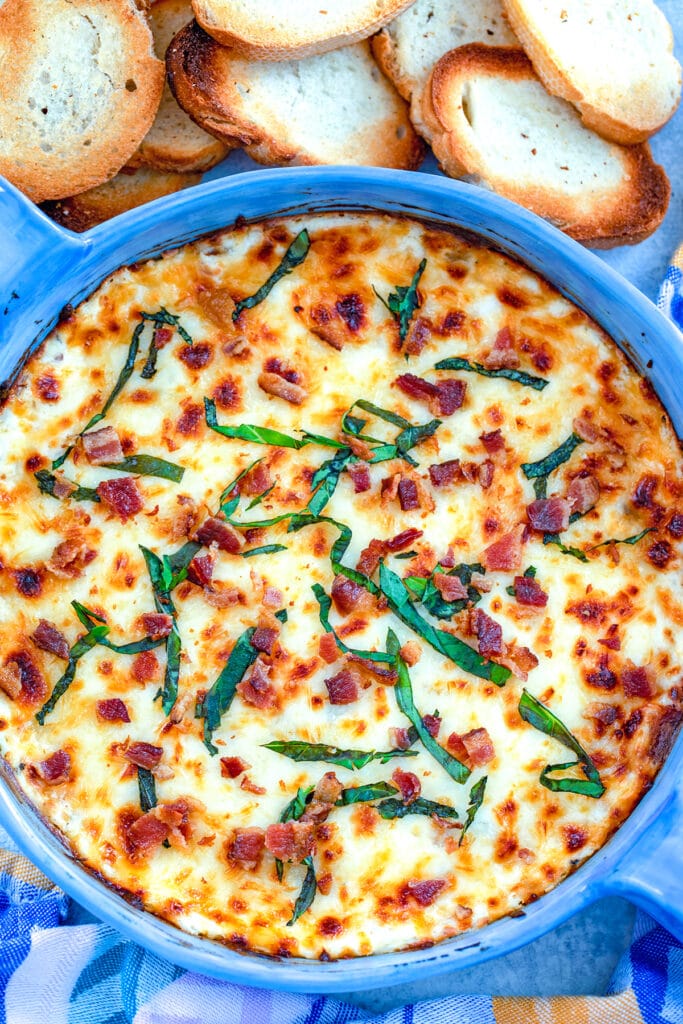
(408,48)
(336,108)
(79,88)
(612,59)
(128,189)
(175,142)
(277,30)
(494,122)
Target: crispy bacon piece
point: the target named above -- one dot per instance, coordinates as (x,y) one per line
(444,473)
(264,639)
(403,540)
(48,638)
(274,384)
(216,531)
(343,687)
(102,446)
(450,396)
(200,569)
(197,356)
(432,724)
(156,625)
(275,365)
(605,714)
(519,659)
(451,588)
(69,559)
(399,738)
(529,592)
(272,598)
(549,515)
(456,747)
(328,649)
(505,553)
(145,667)
(327,325)
(348,595)
(644,490)
(112,710)
(502,355)
(411,652)
(583,494)
(325,795)
(485,472)
(493,442)
(184,521)
(222,595)
(418,335)
(21,669)
(660,553)
(489,634)
(675,525)
(233,767)
(369,559)
(424,893)
(122,497)
(145,834)
(55,769)
(176,817)
(444,398)
(416,387)
(63,488)
(586,429)
(144,755)
(257,689)
(378,671)
(246,847)
(256,481)
(360,474)
(361,449)
(408,784)
(351,309)
(407,494)
(251,787)
(291,840)
(480,749)
(10,679)
(636,681)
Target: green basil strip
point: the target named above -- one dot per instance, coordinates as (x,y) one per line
(148,790)
(162,317)
(298,750)
(476,800)
(518,376)
(123,377)
(91,619)
(403,692)
(265,549)
(81,647)
(546,465)
(228,504)
(47,482)
(411,436)
(296,807)
(282,615)
(426,591)
(397,809)
(406,554)
(325,479)
(404,302)
(365,794)
(325,604)
(249,431)
(294,257)
(624,540)
(159,577)
(540,717)
(86,617)
(259,497)
(382,414)
(460,653)
(553,538)
(175,565)
(148,465)
(169,692)
(159,574)
(307,894)
(219,698)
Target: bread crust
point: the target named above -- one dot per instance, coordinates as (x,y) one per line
(210,82)
(71,120)
(259,40)
(602,216)
(628,121)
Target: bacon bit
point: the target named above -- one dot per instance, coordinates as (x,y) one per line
(246,847)
(257,689)
(549,515)
(264,639)
(216,531)
(275,385)
(424,893)
(399,738)
(156,625)
(48,638)
(675,525)
(502,355)
(251,787)
(361,478)
(451,588)
(443,398)
(10,679)
(325,795)
(480,749)
(418,335)
(222,595)
(48,388)
(176,817)
(489,634)
(145,667)
(379,672)
(444,473)
(368,563)
(200,569)
(505,553)
(55,769)
(644,489)
(519,659)
(389,488)
(144,755)
(21,665)
(291,840)
(257,480)
(327,647)
(450,396)
(122,497)
(343,687)
(408,784)
(197,356)
(479,582)
(63,488)
(69,559)
(144,835)
(189,423)
(112,710)
(586,429)
(529,592)
(184,521)
(361,449)
(348,596)
(636,681)
(352,311)
(485,473)
(272,598)
(327,325)
(407,494)
(583,494)
(602,677)
(605,714)
(660,553)
(102,446)
(232,767)
(493,442)
(416,387)
(456,747)
(411,652)
(402,540)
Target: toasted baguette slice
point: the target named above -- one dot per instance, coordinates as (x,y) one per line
(337,108)
(612,59)
(494,123)
(128,189)
(277,30)
(79,88)
(175,142)
(408,48)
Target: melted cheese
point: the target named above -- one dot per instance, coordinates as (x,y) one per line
(617,608)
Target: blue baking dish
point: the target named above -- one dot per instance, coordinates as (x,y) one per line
(43,268)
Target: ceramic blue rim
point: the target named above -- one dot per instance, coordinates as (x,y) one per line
(43,267)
